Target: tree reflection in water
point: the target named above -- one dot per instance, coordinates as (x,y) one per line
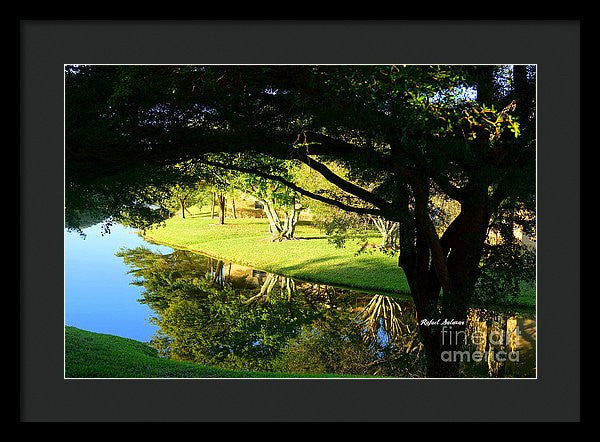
(231,316)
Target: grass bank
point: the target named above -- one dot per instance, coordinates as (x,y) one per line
(311,258)
(97,355)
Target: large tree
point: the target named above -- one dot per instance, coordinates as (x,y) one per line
(404,133)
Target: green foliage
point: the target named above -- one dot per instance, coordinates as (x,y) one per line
(435,113)
(206,320)
(326,350)
(341,343)
(340,226)
(211,324)
(507,274)
(189,195)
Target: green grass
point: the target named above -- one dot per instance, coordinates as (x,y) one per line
(311,258)
(97,355)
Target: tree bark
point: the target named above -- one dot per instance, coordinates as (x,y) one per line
(282,230)
(212,205)
(182,206)
(274,223)
(388,230)
(222,208)
(441,272)
(233,209)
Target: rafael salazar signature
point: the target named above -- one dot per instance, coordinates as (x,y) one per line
(430,322)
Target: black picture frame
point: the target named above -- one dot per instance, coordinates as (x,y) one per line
(46,46)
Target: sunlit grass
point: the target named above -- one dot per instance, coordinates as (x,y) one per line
(310,257)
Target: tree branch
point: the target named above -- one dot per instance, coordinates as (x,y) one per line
(347,186)
(318,144)
(364,210)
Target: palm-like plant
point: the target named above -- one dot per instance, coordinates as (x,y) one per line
(387,313)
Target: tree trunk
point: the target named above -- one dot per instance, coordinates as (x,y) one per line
(444,338)
(441,272)
(388,230)
(182,206)
(281,230)
(275,228)
(265,289)
(233,209)
(218,277)
(222,208)
(443,356)
(291,220)
(212,205)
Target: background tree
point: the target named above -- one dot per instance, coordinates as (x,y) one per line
(281,205)
(182,197)
(215,186)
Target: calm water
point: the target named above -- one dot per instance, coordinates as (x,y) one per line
(98,294)
(192,307)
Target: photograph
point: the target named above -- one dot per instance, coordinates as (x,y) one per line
(371,222)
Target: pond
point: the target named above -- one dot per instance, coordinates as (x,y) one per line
(98,294)
(195,308)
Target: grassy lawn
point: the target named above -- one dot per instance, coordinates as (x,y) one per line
(96,355)
(311,258)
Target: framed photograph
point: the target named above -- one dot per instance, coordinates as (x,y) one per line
(366,213)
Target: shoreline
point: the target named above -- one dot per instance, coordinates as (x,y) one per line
(519,307)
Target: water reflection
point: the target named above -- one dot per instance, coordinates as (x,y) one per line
(507,342)
(227,315)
